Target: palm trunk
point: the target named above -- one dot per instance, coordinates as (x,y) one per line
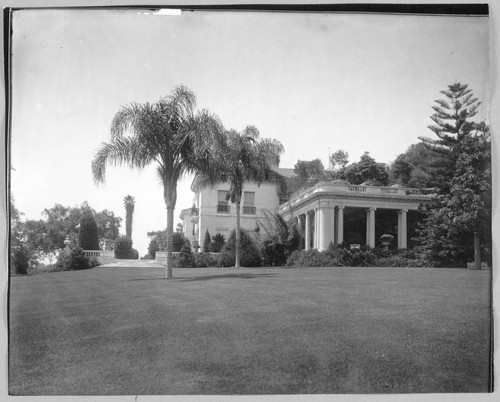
(238,237)
(128,223)
(170,196)
(477,251)
(170,235)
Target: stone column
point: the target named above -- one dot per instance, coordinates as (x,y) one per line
(340,225)
(326,227)
(308,231)
(370,227)
(399,230)
(404,229)
(316,229)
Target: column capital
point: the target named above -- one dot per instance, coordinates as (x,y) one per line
(372,209)
(403,210)
(340,207)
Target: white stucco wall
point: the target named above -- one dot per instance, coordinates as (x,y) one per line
(266,198)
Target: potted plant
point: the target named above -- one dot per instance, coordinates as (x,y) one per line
(386,240)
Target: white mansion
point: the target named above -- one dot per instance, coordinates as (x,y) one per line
(319,210)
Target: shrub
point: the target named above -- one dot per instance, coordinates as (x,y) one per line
(207,243)
(88,238)
(177,242)
(93,262)
(153,247)
(124,250)
(249,256)
(312,258)
(273,254)
(186,258)
(204,260)
(20,261)
(72,261)
(218,242)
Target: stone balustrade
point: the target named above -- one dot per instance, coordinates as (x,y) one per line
(103,256)
(346,189)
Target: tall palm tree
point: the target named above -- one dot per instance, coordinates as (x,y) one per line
(168,133)
(129,203)
(243,157)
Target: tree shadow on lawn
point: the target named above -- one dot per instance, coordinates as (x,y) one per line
(207,277)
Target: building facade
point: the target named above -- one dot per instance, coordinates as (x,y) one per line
(211,211)
(318,210)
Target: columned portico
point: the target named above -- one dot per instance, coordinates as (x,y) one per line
(328,200)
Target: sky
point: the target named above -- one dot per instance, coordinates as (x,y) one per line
(316,82)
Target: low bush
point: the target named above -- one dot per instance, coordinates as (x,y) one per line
(72,261)
(273,254)
(338,256)
(249,257)
(93,262)
(205,260)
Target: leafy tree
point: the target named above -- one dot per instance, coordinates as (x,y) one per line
(129,203)
(108,227)
(207,243)
(218,242)
(412,167)
(169,134)
(243,157)
(153,247)
(123,248)
(337,164)
(367,170)
(88,238)
(310,170)
(466,210)
(452,117)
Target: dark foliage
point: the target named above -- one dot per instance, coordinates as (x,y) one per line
(19,261)
(88,237)
(218,242)
(204,260)
(207,243)
(186,257)
(178,240)
(123,248)
(250,256)
(273,254)
(72,261)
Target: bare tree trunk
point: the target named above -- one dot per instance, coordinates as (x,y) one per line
(477,250)
(238,237)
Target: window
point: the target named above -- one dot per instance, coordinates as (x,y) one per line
(222,204)
(249,203)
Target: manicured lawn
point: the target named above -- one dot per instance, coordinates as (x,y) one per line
(249,331)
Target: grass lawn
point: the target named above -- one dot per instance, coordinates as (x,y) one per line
(249,331)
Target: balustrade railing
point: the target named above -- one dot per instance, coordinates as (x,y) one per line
(349,188)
